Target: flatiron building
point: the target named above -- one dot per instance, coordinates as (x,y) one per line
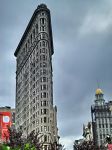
(34,84)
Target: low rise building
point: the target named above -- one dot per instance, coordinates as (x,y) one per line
(7,118)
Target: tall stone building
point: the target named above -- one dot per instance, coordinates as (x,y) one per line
(34,85)
(101,113)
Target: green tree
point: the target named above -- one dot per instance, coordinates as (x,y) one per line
(18,142)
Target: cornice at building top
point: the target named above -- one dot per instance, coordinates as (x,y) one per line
(39,8)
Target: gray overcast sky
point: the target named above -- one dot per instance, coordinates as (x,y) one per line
(82,33)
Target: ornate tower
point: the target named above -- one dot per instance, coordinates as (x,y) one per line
(101,118)
(34,85)
(99,98)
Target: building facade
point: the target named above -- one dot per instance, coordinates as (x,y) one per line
(7,118)
(34,84)
(101,113)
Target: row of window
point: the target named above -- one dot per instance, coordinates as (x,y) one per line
(35,91)
(42,87)
(104,120)
(40,48)
(42,64)
(34,115)
(102,114)
(43,103)
(42,73)
(41,80)
(103,125)
(44,128)
(30,41)
(44,95)
(33,36)
(44,111)
(102,136)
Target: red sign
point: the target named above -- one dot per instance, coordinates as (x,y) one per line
(109,146)
(5,121)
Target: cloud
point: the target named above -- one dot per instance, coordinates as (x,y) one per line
(96,22)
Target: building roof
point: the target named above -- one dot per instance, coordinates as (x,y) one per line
(39,8)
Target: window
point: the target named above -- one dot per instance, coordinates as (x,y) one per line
(44,86)
(41,103)
(37,53)
(40,57)
(43,50)
(41,112)
(41,128)
(106,125)
(37,75)
(43,43)
(100,136)
(44,64)
(43,28)
(45,138)
(43,20)
(37,68)
(45,119)
(33,116)
(43,95)
(33,71)
(41,72)
(44,72)
(44,103)
(33,93)
(45,111)
(26,46)
(44,79)
(43,57)
(40,64)
(33,33)
(37,28)
(33,85)
(28,42)
(43,35)
(31,38)
(45,128)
